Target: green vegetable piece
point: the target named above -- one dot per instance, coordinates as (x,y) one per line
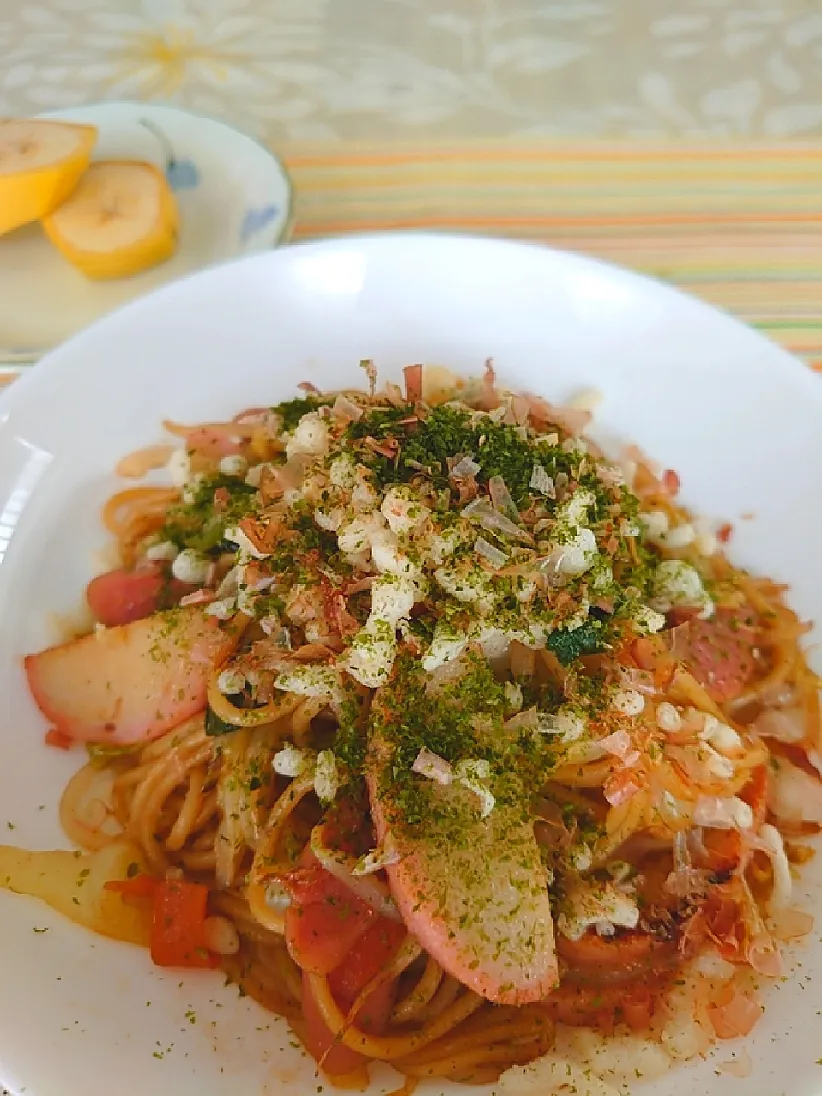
(571,645)
(291,411)
(216,727)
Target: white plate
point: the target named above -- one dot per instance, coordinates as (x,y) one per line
(234,198)
(738,417)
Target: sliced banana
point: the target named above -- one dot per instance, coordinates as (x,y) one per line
(40,164)
(121,219)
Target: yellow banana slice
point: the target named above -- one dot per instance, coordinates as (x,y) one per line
(121,219)
(40,163)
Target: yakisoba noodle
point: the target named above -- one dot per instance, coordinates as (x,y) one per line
(482,739)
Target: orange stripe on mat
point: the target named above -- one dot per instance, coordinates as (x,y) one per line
(352,158)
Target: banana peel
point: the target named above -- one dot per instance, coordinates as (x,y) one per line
(121,219)
(41,163)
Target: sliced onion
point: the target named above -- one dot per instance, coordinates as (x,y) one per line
(696,843)
(741,1066)
(722,812)
(382,857)
(501,498)
(139,463)
(783,724)
(495,556)
(793,794)
(673,812)
(764,956)
(769,841)
(737,1017)
(215,429)
(681,853)
(368,888)
(791,924)
(780,695)
(85,812)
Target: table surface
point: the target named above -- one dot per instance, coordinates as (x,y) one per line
(334,70)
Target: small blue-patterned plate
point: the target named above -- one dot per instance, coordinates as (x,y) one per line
(234,198)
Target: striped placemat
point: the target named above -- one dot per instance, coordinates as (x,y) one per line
(740,227)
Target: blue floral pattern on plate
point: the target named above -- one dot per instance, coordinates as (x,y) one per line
(181,174)
(255,220)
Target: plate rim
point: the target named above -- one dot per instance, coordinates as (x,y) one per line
(800,372)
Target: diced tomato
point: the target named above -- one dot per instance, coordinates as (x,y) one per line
(177,933)
(58,739)
(599,960)
(719,652)
(653,653)
(324,919)
(755,794)
(601,1006)
(319,1042)
(368,956)
(345,828)
(724,849)
(178,916)
(637,1006)
(119,597)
